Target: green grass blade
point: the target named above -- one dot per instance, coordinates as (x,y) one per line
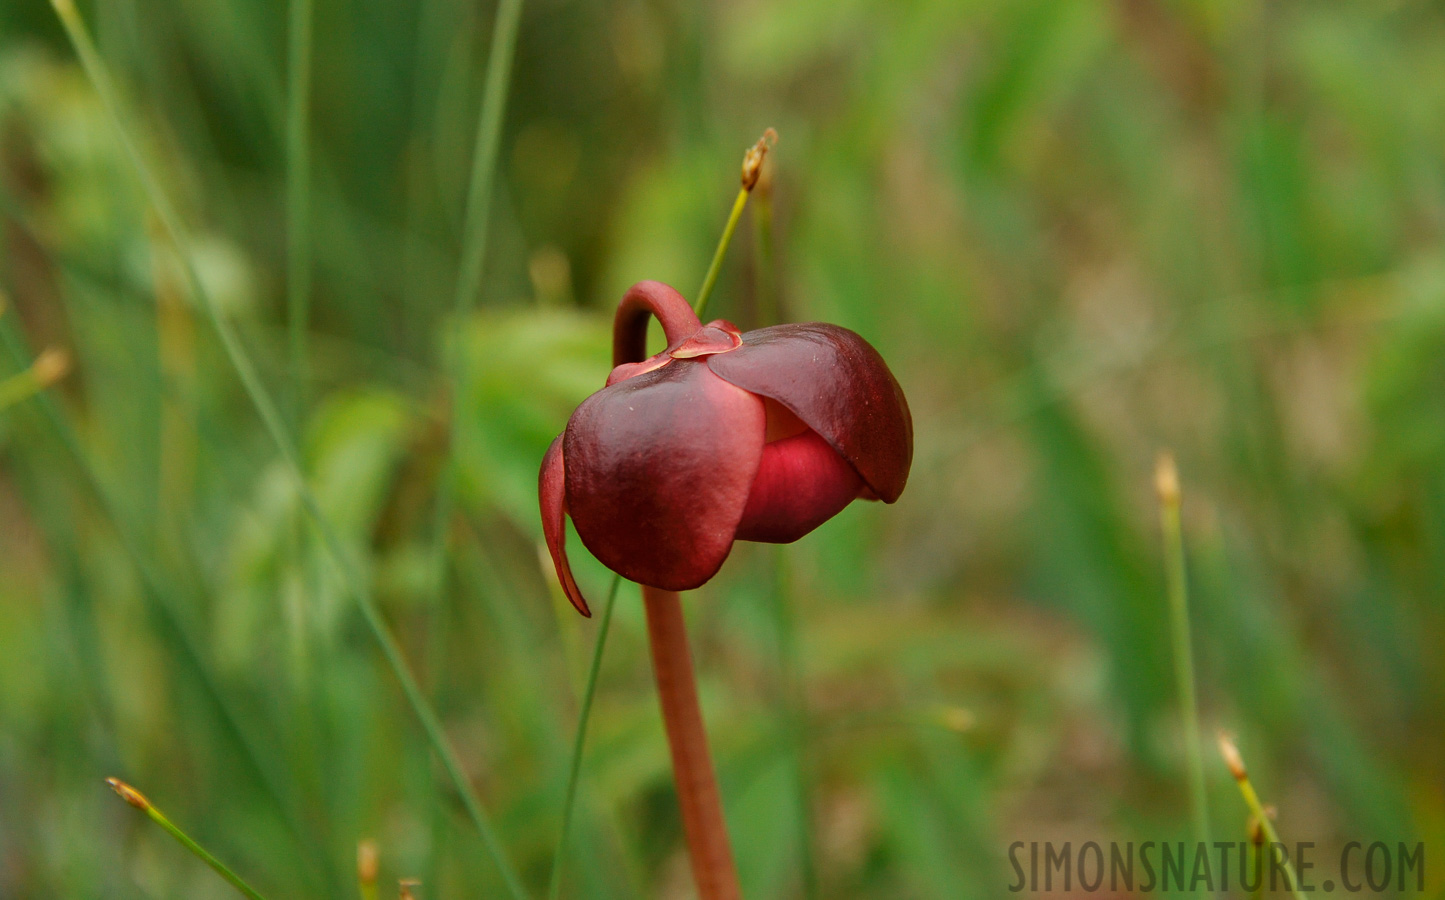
(298,199)
(484,156)
(138,800)
(584,715)
(1167,484)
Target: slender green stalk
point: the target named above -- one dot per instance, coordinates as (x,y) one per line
(298,320)
(579,743)
(752,169)
(266,407)
(484,154)
(298,199)
(710,280)
(137,799)
(1235,762)
(1166,482)
(475,231)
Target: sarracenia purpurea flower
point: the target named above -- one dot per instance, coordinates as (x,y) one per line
(724,435)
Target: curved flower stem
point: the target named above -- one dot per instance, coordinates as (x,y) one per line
(692,772)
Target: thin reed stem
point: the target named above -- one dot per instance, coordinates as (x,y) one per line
(1235,762)
(1166,483)
(709,281)
(298,321)
(692,771)
(352,582)
(554,883)
(138,800)
(484,154)
(751,171)
(298,200)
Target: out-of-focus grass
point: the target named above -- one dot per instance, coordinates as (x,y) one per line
(1077,231)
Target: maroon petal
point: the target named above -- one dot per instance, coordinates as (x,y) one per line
(658,471)
(801,483)
(839,386)
(551,491)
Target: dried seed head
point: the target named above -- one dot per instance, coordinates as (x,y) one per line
(51,365)
(129,794)
(1232,759)
(753,159)
(366,862)
(1166,479)
(956,718)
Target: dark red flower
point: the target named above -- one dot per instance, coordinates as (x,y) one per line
(722,436)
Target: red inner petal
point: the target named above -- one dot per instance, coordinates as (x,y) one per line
(801,483)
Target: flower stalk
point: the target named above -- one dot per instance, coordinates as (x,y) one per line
(692,769)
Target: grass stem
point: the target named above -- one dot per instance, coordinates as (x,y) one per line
(1166,483)
(138,800)
(554,886)
(298,200)
(484,154)
(751,170)
(1235,762)
(353,582)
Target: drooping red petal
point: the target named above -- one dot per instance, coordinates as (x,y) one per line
(659,467)
(552,493)
(801,483)
(839,386)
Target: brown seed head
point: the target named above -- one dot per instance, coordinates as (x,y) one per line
(366,862)
(753,159)
(51,365)
(1232,759)
(129,794)
(1166,479)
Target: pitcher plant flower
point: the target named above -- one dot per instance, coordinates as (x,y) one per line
(722,436)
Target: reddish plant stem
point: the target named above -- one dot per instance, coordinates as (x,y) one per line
(697,793)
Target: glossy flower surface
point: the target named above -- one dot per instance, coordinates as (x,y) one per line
(723,436)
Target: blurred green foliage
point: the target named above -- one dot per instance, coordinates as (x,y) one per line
(1078,231)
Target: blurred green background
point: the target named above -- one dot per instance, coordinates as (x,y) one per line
(1080,232)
